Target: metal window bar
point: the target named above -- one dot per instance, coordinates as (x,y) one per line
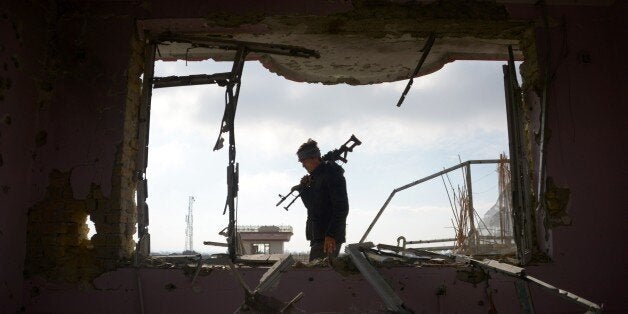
(523,281)
(521,202)
(435,175)
(260,228)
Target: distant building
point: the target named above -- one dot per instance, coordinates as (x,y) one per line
(264,239)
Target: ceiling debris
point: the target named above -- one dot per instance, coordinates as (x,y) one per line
(372,42)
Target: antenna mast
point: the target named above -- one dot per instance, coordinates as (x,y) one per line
(189,229)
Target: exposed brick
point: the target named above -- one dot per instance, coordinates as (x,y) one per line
(57,243)
(113,218)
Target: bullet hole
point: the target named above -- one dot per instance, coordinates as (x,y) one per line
(310,279)
(91,226)
(5,84)
(170,287)
(584,57)
(35,292)
(402,288)
(1,161)
(80,55)
(481,303)
(335,26)
(45,86)
(15,30)
(6,119)
(41,138)
(6,189)
(353,294)
(441,290)
(16,62)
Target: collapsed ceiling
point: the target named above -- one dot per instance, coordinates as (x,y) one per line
(370,42)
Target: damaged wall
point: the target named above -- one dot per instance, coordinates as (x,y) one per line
(90,135)
(69,89)
(425,290)
(20,47)
(370,42)
(67,144)
(582,231)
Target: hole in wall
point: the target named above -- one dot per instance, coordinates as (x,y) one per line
(136,236)
(91,226)
(453,115)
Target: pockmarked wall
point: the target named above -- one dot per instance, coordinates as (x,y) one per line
(69,89)
(581,230)
(21,45)
(69,94)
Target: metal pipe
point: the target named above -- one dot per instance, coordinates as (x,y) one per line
(379,213)
(409,185)
(231,44)
(488,161)
(472,230)
(391,300)
(430,241)
(430,177)
(426,50)
(199,79)
(437,248)
(519,273)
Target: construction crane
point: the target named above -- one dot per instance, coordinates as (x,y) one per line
(189,229)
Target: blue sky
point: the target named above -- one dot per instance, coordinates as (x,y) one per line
(457,112)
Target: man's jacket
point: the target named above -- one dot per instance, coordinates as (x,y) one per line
(326,201)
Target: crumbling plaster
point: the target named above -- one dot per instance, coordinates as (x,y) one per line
(100,180)
(69,136)
(372,42)
(584,126)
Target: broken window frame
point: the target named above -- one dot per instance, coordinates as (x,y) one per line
(522,207)
(142,250)
(230,80)
(523,227)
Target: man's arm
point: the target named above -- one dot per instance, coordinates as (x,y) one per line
(337,188)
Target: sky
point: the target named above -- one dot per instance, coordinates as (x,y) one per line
(457,113)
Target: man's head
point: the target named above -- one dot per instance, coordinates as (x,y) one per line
(309,155)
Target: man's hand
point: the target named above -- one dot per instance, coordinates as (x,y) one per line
(305,181)
(330,245)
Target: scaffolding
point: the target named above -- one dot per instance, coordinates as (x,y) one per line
(472,235)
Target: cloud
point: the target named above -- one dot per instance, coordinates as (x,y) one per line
(277,111)
(458,110)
